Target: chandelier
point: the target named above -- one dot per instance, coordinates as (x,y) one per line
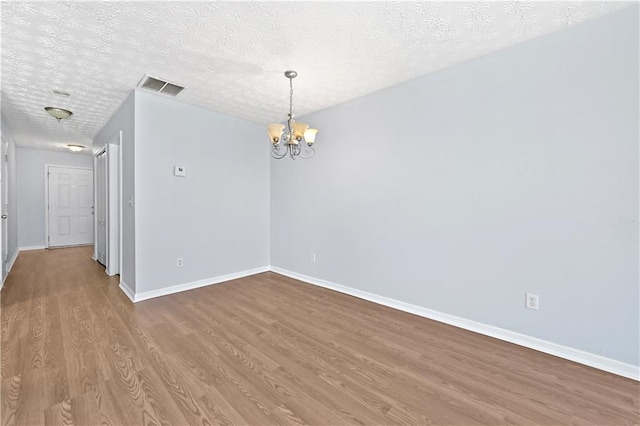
(295,135)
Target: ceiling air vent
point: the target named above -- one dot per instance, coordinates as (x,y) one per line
(160,86)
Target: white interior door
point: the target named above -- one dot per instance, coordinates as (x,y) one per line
(70,192)
(4,208)
(101,207)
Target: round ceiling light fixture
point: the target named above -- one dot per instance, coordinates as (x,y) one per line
(75,147)
(58,113)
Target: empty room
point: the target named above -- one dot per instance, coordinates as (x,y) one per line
(324,213)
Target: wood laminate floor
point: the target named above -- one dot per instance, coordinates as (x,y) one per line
(266,350)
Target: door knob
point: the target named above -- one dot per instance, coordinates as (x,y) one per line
(4,216)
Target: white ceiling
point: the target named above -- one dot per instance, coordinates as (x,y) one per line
(231,55)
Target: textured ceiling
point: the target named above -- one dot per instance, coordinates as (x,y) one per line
(231,56)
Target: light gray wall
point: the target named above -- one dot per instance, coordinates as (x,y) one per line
(123,120)
(216,217)
(12,198)
(31,189)
(462,190)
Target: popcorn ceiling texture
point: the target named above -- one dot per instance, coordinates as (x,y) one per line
(231,56)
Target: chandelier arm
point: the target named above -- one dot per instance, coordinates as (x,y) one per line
(310,153)
(278,157)
(275,152)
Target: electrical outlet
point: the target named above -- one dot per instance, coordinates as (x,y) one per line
(313,258)
(179,262)
(532,301)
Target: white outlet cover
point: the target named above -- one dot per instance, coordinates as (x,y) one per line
(532,301)
(180,171)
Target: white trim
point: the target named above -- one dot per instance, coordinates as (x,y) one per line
(120,203)
(28,248)
(4,202)
(139,297)
(127,290)
(12,261)
(113,219)
(9,266)
(592,360)
(95,215)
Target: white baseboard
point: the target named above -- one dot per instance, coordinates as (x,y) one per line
(12,260)
(576,355)
(27,248)
(127,290)
(139,297)
(9,266)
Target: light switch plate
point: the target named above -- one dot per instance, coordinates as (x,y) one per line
(179,171)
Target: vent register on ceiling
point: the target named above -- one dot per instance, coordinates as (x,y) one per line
(157,85)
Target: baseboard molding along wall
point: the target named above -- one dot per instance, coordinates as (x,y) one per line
(28,248)
(12,260)
(9,266)
(571,354)
(592,360)
(127,290)
(139,297)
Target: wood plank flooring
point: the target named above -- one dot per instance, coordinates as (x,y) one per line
(266,350)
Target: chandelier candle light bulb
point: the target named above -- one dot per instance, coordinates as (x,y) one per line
(296,132)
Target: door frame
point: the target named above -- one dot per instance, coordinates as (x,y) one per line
(4,194)
(115,142)
(95,203)
(46,198)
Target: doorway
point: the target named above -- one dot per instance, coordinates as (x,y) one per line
(69,206)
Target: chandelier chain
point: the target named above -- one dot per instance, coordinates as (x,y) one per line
(291,97)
